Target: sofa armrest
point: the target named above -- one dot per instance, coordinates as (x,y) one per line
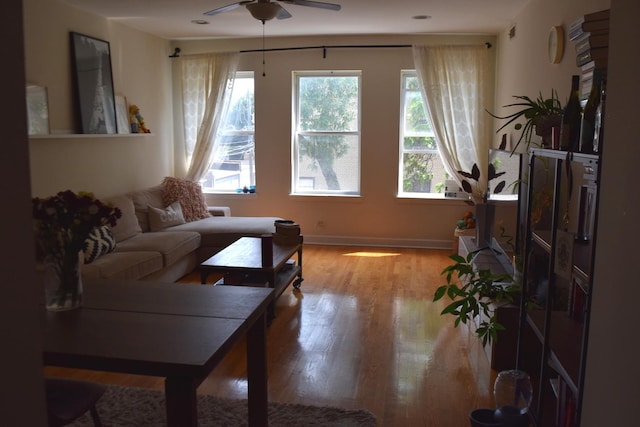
(219,210)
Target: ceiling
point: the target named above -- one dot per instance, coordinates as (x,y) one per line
(172,19)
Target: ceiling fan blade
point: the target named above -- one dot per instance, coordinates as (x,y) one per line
(228,7)
(283,14)
(318,4)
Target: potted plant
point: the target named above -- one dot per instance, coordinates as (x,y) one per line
(478,193)
(476,293)
(485,211)
(540,114)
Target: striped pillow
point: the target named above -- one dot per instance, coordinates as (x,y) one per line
(100,241)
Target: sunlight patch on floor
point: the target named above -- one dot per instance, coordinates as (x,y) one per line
(372,254)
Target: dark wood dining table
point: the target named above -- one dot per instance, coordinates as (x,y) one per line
(176,331)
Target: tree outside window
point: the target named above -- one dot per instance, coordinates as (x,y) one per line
(326,142)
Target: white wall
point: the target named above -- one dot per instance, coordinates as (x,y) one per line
(378,216)
(141,72)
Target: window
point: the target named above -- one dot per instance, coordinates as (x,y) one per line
(421,171)
(233,166)
(326,136)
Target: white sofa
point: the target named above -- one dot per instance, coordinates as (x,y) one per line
(144,252)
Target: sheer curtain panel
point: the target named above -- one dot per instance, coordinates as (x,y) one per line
(207,82)
(454,81)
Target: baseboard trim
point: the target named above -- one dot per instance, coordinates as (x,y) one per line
(378,242)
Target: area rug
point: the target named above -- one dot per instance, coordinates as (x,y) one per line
(139,407)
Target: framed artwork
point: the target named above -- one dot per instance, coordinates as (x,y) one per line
(91,65)
(122,115)
(37,110)
(564,254)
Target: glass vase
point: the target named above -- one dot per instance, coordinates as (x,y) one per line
(512,392)
(63,282)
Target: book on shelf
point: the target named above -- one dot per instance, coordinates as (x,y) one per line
(599,56)
(591,41)
(586,79)
(596,22)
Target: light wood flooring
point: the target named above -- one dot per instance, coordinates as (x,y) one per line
(362,332)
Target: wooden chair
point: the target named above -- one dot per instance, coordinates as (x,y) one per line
(67,400)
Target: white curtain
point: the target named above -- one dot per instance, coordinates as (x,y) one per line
(454,87)
(207,82)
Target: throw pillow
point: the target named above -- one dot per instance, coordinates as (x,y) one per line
(163,218)
(100,241)
(190,196)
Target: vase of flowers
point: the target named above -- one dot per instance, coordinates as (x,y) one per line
(62,224)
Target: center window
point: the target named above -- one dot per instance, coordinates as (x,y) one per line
(421,172)
(326,133)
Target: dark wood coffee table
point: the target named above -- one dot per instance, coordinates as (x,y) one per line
(176,331)
(241,264)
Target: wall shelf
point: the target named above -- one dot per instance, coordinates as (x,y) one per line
(88,135)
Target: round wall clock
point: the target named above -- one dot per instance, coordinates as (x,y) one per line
(556,44)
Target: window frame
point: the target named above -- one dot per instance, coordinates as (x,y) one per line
(404,75)
(296,189)
(234,133)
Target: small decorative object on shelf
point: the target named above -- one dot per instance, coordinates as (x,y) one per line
(598,132)
(571,118)
(62,224)
(137,121)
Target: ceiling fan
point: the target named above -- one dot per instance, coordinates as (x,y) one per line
(264,10)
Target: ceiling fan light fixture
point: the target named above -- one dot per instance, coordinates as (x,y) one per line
(263,11)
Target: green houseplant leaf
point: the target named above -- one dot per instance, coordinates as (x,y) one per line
(472,293)
(529,110)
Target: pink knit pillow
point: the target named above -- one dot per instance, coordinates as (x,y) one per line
(190,196)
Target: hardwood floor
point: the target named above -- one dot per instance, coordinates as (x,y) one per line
(362,332)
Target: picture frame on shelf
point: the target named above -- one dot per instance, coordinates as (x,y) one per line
(122,115)
(37,110)
(91,65)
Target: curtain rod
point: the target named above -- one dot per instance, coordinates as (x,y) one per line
(324,48)
(176,52)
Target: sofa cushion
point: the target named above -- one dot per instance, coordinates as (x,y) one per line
(172,246)
(190,196)
(144,198)
(123,265)
(100,241)
(127,225)
(163,218)
(223,230)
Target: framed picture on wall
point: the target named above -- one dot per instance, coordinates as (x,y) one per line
(37,110)
(95,101)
